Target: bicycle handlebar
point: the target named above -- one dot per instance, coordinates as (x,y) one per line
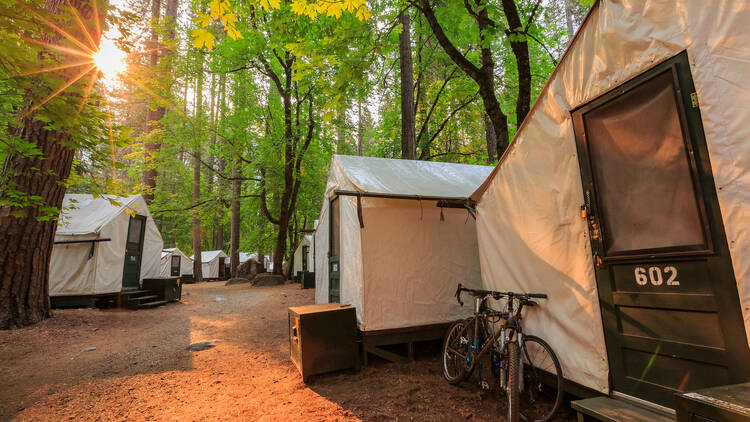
(496,295)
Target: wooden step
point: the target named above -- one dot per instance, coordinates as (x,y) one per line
(615,410)
(142,299)
(154,304)
(130,293)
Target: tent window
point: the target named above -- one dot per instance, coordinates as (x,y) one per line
(305,254)
(642,171)
(175,262)
(135,232)
(335,227)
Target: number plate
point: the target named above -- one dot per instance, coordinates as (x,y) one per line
(664,277)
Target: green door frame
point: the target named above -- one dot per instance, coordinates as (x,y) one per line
(334,268)
(644,355)
(131,254)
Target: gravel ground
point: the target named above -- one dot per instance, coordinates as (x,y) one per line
(141,370)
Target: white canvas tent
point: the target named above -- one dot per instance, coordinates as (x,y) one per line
(186,264)
(400,257)
(535,236)
(211,262)
(89,268)
(307,241)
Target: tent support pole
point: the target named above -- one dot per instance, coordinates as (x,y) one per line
(403,196)
(359,212)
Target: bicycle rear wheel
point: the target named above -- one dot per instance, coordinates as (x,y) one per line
(542,393)
(456,356)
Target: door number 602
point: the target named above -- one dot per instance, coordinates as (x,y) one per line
(656,276)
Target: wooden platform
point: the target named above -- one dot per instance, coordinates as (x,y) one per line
(616,410)
(373,341)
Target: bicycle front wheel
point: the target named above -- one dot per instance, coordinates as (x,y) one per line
(542,392)
(456,352)
(512,385)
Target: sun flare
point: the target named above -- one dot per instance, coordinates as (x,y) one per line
(109,59)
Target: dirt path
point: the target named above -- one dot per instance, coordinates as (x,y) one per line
(140,369)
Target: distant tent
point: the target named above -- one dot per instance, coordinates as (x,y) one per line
(100,248)
(175,263)
(399,255)
(304,256)
(213,263)
(625,197)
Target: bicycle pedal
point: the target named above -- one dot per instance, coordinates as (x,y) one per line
(463,340)
(485,385)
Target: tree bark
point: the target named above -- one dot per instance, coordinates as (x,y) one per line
(489,132)
(360,129)
(408,130)
(148,178)
(197,263)
(295,146)
(569,19)
(234,242)
(27,241)
(520,49)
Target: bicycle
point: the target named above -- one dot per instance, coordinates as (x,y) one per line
(525,365)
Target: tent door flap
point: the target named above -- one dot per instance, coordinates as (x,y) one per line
(133,253)
(669,303)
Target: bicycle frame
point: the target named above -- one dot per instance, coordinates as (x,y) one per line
(511,326)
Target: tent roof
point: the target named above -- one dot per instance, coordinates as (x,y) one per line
(84,214)
(172,251)
(208,256)
(410,177)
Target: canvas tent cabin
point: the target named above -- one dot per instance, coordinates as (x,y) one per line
(213,264)
(624,196)
(100,248)
(174,263)
(394,239)
(304,262)
(304,255)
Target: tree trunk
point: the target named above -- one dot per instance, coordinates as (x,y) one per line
(520,50)
(234,242)
(148,178)
(222,165)
(489,132)
(569,19)
(408,131)
(197,257)
(483,76)
(360,129)
(27,241)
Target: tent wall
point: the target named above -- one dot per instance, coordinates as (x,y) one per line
(531,236)
(71,270)
(211,268)
(321,256)
(412,262)
(350,263)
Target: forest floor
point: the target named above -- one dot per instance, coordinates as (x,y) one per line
(141,370)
